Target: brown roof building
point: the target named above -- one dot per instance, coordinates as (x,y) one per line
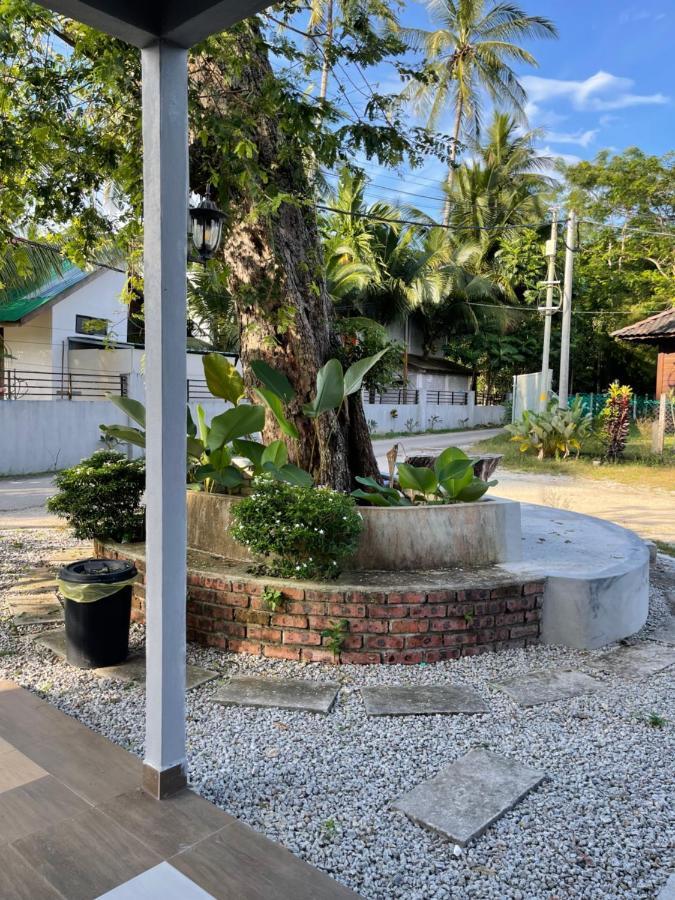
(658,330)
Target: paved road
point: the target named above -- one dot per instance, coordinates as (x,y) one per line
(22,502)
(649,512)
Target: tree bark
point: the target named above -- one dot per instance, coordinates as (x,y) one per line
(453,156)
(278,285)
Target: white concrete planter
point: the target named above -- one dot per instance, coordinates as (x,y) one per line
(393,538)
(412,538)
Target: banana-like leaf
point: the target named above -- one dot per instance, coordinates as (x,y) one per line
(417,478)
(275,406)
(252,450)
(222,378)
(190,424)
(229,477)
(474,490)
(274,380)
(353,378)
(202,426)
(220,458)
(275,453)
(132,408)
(330,389)
(125,433)
(195,448)
(235,423)
(289,473)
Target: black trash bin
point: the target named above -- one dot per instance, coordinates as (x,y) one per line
(97,595)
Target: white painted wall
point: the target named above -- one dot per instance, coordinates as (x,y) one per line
(448,415)
(99,297)
(46,435)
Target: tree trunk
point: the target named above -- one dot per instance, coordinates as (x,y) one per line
(278,286)
(453,157)
(327,42)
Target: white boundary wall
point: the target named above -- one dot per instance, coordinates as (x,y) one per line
(420,415)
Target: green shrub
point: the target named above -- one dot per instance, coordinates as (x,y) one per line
(100,497)
(616,419)
(554,432)
(304,532)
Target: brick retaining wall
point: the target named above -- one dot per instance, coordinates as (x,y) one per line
(382,626)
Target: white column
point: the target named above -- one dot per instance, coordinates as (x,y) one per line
(165,183)
(566,327)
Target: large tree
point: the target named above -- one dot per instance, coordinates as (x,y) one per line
(70,158)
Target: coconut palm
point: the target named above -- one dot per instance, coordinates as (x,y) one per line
(470,55)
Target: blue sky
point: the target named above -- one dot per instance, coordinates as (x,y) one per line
(607,82)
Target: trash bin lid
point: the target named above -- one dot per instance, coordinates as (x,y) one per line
(98,571)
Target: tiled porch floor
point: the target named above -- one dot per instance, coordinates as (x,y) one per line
(74,824)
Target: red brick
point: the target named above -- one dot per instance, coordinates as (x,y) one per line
(456,624)
(237,646)
(327,596)
(293,593)
(473,594)
(352,642)
(263,633)
(409,657)
(356,658)
(200,594)
(510,619)
(289,621)
(252,588)
(307,608)
(532,615)
(515,604)
(218,612)
(365,597)
(441,596)
(428,611)
(406,597)
(387,612)
(483,622)
(318,623)
(518,631)
(534,587)
(215,584)
(539,601)
(368,626)
(256,617)
(230,599)
(233,629)
(275,651)
(424,640)
(347,610)
(216,640)
(384,642)
(460,637)
(502,634)
(487,636)
(507,590)
(302,637)
(450,653)
(408,626)
(308,654)
(496,606)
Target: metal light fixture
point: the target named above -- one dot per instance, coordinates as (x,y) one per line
(206,227)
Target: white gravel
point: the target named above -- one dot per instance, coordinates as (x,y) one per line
(602,826)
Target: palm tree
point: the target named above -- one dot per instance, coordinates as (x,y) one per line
(469,55)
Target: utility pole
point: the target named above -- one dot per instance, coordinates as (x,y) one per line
(564,378)
(551,250)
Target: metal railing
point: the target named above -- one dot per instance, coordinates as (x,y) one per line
(19,384)
(400,396)
(197,389)
(457,398)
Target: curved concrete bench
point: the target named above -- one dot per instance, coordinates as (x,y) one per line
(596,576)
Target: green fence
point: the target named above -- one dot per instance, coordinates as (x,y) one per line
(644,407)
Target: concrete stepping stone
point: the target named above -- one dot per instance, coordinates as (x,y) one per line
(278,693)
(547,687)
(636,661)
(132,669)
(420,700)
(668,890)
(465,798)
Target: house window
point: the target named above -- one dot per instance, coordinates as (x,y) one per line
(91,325)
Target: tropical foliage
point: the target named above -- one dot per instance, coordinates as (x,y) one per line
(555,432)
(616,419)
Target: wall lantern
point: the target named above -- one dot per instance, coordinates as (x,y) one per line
(206,227)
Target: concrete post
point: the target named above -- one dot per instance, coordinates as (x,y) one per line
(566,328)
(165,180)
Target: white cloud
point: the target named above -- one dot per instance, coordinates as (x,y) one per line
(598,93)
(633,14)
(570,158)
(582,138)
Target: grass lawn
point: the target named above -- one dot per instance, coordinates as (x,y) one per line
(639,468)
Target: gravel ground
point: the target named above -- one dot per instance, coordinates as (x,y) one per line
(600,827)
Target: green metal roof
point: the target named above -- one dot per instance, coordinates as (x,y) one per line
(17,306)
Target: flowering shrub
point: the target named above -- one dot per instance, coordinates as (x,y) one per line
(101,497)
(616,419)
(303,532)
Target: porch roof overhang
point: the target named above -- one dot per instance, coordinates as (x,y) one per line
(143,22)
